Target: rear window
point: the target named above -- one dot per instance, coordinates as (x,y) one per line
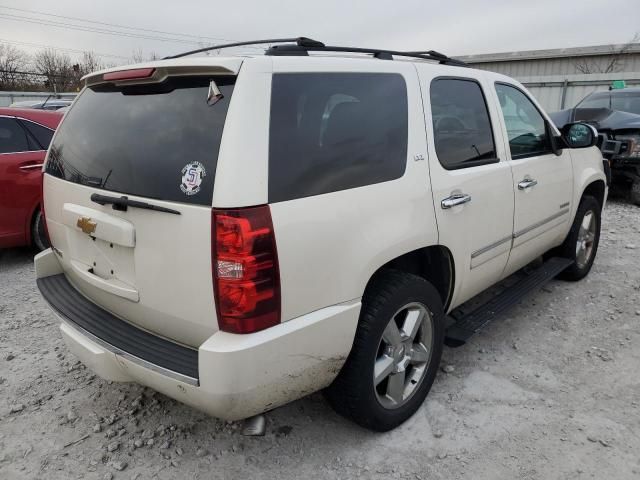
(627,102)
(157,141)
(334,131)
(595,101)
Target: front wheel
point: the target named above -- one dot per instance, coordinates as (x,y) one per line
(581,244)
(395,354)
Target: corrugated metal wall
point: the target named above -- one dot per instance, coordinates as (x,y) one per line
(7,98)
(550,90)
(559,66)
(557,83)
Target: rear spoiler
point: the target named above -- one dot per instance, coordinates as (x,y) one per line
(157,72)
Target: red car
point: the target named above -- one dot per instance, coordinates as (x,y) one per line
(24,138)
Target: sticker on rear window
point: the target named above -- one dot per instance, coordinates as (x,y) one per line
(192,175)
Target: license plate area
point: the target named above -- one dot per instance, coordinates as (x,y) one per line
(101,249)
(103,259)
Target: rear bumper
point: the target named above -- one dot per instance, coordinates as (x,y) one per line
(117,336)
(229,376)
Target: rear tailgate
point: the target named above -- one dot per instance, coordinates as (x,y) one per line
(155,143)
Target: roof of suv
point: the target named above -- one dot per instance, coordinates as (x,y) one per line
(299,47)
(230,65)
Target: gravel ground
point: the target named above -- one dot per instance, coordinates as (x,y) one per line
(551,391)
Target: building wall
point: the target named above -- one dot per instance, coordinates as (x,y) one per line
(7,98)
(557,92)
(555,77)
(559,66)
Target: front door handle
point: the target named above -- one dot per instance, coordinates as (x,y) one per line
(454,200)
(527,183)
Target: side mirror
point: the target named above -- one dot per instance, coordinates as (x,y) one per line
(579,135)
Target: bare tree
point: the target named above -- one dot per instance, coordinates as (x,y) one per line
(47,71)
(615,60)
(57,69)
(89,62)
(139,57)
(12,62)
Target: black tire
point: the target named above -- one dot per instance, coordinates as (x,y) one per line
(353,393)
(38,235)
(577,271)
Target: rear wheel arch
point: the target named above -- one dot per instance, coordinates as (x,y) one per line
(363,391)
(433,263)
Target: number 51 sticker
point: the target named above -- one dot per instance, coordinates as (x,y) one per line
(192,175)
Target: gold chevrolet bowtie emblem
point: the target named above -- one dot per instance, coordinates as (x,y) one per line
(86,225)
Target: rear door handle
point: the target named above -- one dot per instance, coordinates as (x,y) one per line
(527,183)
(454,200)
(33,166)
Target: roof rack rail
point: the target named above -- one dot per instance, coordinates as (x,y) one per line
(291,49)
(300,41)
(304,45)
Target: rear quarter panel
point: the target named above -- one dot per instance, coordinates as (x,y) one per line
(329,245)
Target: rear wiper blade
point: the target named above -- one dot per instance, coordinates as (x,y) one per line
(122,203)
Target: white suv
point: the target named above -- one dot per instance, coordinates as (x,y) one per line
(238,232)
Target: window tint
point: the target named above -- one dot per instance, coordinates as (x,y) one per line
(42,134)
(461,125)
(157,140)
(334,131)
(526,127)
(598,100)
(13,138)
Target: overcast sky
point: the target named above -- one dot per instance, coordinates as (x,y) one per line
(454,27)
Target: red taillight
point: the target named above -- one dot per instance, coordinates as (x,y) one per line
(245,269)
(134,74)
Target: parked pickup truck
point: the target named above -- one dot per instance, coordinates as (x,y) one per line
(616,116)
(238,232)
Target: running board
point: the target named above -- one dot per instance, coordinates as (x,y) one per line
(466,325)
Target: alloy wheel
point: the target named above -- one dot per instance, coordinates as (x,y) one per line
(586,238)
(403,355)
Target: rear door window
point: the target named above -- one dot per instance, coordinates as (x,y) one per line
(42,134)
(335,131)
(158,141)
(13,138)
(461,126)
